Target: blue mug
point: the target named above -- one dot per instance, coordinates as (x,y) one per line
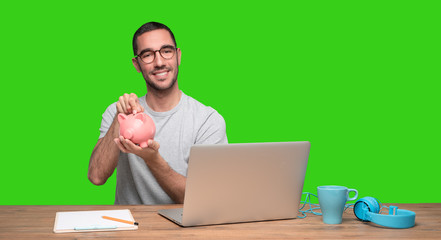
(332,200)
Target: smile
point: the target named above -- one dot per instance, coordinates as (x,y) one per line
(161,74)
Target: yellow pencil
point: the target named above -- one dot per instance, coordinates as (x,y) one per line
(120,220)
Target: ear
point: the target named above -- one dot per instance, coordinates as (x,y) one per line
(136,64)
(178,51)
(122,117)
(140,116)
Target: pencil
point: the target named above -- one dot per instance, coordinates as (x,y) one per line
(120,220)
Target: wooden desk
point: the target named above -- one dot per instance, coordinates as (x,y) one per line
(36,222)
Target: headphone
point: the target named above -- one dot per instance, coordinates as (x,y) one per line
(368,209)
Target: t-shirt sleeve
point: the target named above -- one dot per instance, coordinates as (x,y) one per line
(107,120)
(213,130)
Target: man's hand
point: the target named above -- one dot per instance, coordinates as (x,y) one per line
(171,182)
(148,153)
(129,103)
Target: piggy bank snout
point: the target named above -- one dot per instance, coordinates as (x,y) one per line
(128,133)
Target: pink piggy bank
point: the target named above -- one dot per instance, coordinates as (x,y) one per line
(139,128)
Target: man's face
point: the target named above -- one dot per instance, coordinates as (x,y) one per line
(161,74)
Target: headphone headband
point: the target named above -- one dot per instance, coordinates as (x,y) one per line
(368,208)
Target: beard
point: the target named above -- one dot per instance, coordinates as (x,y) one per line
(156,87)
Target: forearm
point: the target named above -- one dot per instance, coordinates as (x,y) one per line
(171,182)
(104,157)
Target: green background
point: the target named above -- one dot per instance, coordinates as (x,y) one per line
(360,80)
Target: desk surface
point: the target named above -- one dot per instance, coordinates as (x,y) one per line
(36,222)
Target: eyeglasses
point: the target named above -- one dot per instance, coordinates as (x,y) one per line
(166,52)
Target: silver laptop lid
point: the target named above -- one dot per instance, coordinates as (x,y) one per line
(244,182)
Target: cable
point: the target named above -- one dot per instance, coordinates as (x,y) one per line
(315,206)
(312,206)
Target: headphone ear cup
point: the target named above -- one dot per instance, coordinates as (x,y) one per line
(365,205)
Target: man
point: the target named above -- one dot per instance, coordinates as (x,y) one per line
(155,174)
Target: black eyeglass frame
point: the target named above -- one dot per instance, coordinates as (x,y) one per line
(159,50)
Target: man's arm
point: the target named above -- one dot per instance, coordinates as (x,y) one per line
(171,182)
(105,155)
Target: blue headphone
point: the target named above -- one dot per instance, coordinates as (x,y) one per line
(367,210)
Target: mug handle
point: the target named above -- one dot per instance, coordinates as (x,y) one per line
(356,194)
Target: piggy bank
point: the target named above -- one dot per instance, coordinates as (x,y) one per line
(138,128)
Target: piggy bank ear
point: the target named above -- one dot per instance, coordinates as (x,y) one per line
(140,116)
(122,117)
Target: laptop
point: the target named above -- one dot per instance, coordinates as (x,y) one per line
(244,182)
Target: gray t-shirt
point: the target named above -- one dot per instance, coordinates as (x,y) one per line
(189,123)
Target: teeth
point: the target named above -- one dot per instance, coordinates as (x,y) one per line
(161,74)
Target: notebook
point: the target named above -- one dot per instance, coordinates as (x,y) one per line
(231,183)
(89,221)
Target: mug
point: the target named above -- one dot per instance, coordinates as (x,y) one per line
(332,200)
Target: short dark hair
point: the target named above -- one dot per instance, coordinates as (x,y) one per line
(150,26)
